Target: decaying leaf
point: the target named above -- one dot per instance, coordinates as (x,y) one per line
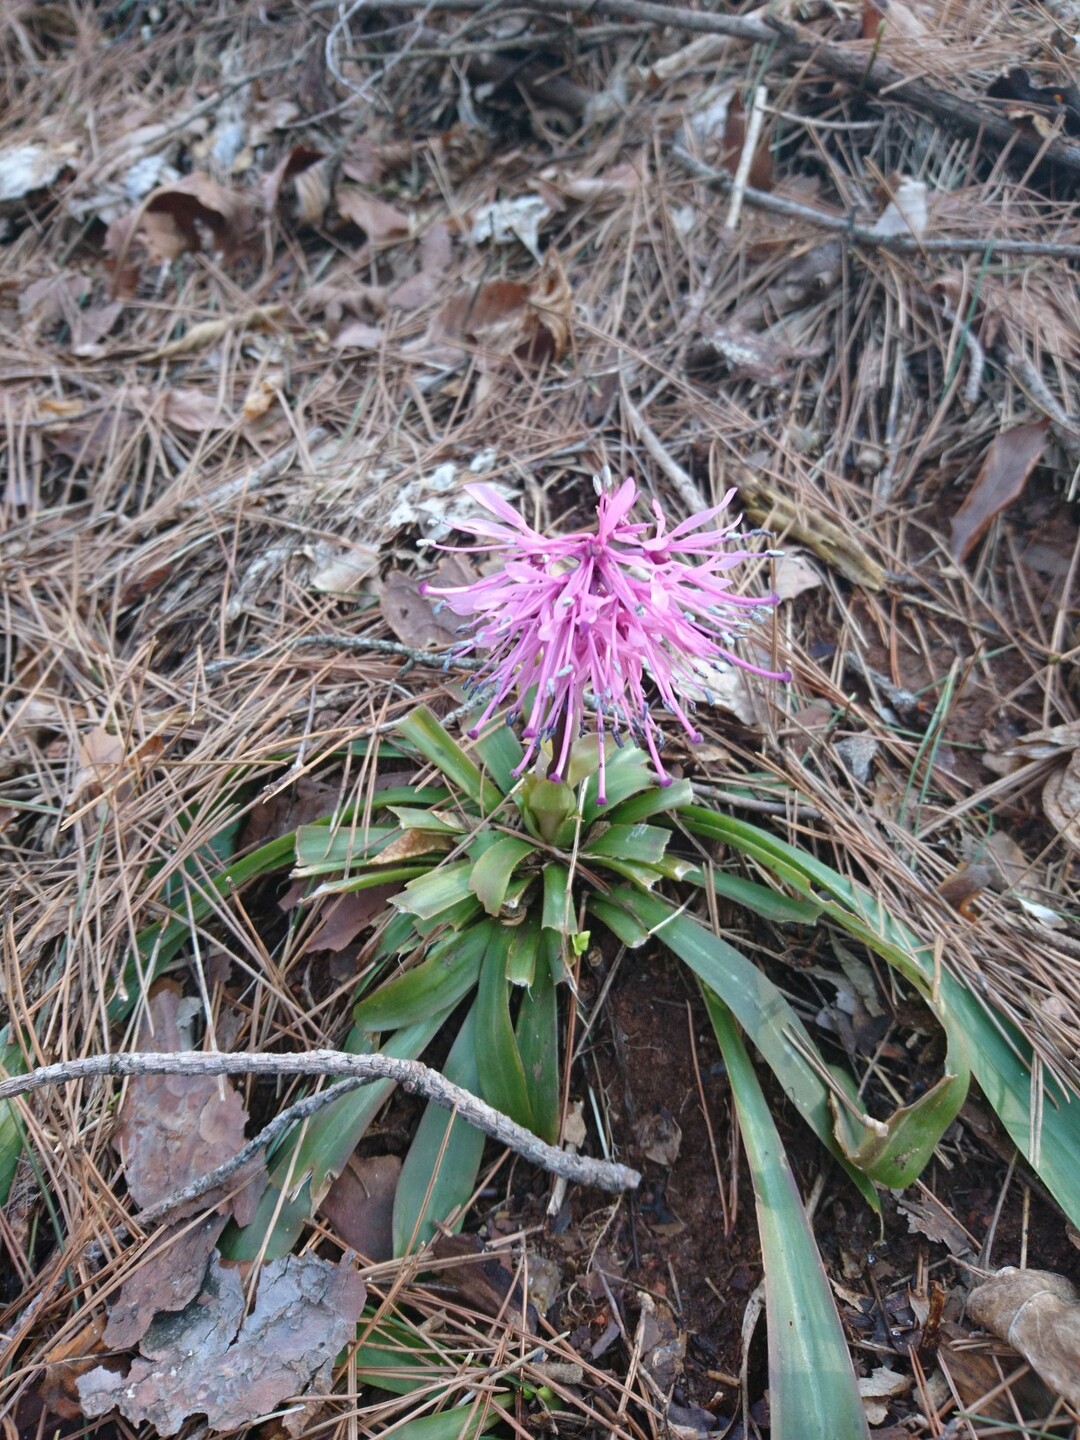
(1011,458)
(381,223)
(25,169)
(174,1128)
(660,1342)
(906,213)
(659,1137)
(195,213)
(213,1361)
(505,221)
(480,1277)
(64,1362)
(310,189)
(338,571)
(436,248)
(360,1203)
(208,332)
(357,335)
(194,410)
(1038,1313)
(611,186)
(411,616)
(505,318)
(878,1387)
(793,574)
(1061,801)
(53,300)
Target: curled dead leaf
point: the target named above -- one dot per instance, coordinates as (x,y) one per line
(195,213)
(1038,1313)
(1061,801)
(1011,458)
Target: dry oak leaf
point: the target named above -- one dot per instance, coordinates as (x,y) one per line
(212,1360)
(195,213)
(1038,1314)
(1011,458)
(381,223)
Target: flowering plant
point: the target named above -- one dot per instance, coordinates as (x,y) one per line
(582,619)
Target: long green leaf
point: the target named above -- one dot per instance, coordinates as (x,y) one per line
(813,1393)
(502,1074)
(421,729)
(440,1170)
(999,1055)
(491,873)
(537,1032)
(758,1005)
(443,978)
(429,895)
(646,843)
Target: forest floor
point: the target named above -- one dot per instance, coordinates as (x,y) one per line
(275,281)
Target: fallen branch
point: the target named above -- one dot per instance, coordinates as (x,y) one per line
(940,245)
(411,1075)
(786,43)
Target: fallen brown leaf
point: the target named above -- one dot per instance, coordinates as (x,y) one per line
(356,335)
(193,410)
(53,300)
(209,332)
(195,213)
(1061,801)
(1011,458)
(1038,1314)
(436,248)
(411,616)
(360,1204)
(381,223)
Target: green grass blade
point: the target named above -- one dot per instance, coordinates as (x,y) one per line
(813,1393)
(440,1170)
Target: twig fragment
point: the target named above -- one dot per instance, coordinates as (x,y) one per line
(411,1075)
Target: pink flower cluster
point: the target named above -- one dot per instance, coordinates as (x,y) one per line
(584,621)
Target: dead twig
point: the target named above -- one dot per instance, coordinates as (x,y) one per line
(411,1075)
(906,244)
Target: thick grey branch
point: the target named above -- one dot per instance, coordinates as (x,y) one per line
(411,1075)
